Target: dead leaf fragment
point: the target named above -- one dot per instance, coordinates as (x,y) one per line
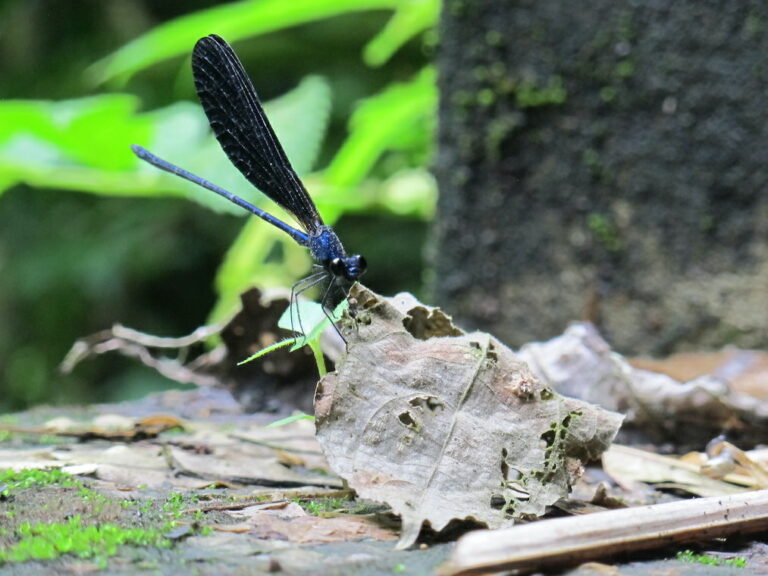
(580,364)
(114,427)
(443,425)
(245,465)
(627,465)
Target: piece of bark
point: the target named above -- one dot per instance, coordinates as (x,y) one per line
(443,425)
(567,541)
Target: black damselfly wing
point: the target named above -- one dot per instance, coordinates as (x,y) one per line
(241,127)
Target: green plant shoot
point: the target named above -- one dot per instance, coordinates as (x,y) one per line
(314,321)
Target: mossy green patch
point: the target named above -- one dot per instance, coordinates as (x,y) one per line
(605,232)
(41,541)
(625,68)
(320,506)
(49,514)
(23,479)
(174,504)
(709,560)
(532,95)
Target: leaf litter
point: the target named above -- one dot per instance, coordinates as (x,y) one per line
(443,425)
(438,424)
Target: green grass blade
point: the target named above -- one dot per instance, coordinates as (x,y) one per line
(400,117)
(268,349)
(409,20)
(233,21)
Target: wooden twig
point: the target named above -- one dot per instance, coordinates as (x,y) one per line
(567,541)
(135,344)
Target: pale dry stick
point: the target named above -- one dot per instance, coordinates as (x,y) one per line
(200,334)
(135,344)
(568,541)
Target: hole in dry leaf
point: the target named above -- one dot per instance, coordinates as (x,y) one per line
(507,503)
(408,420)
(519,492)
(497,501)
(563,432)
(423,323)
(504,465)
(549,437)
(433,404)
(429,402)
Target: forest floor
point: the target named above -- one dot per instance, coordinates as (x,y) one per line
(185,483)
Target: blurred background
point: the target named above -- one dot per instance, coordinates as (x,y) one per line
(90,237)
(608,165)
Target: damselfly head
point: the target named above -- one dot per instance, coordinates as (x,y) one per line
(349,267)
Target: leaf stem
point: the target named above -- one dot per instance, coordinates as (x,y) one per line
(319,358)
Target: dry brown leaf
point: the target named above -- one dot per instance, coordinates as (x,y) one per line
(162,421)
(443,425)
(290,522)
(279,379)
(627,465)
(745,370)
(246,465)
(580,363)
(133,465)
(113,427)
(289,460)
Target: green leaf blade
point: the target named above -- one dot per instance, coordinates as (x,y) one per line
(232,21)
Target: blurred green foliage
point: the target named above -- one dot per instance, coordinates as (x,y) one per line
(72,264)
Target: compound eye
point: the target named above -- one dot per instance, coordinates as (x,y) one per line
(354,267)
(337,267)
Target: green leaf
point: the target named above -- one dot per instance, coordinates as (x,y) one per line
(410,193)
(74,127)
(409,20)
(84,144)
(233,21)
(73,144)
(401,117)
(314,319)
